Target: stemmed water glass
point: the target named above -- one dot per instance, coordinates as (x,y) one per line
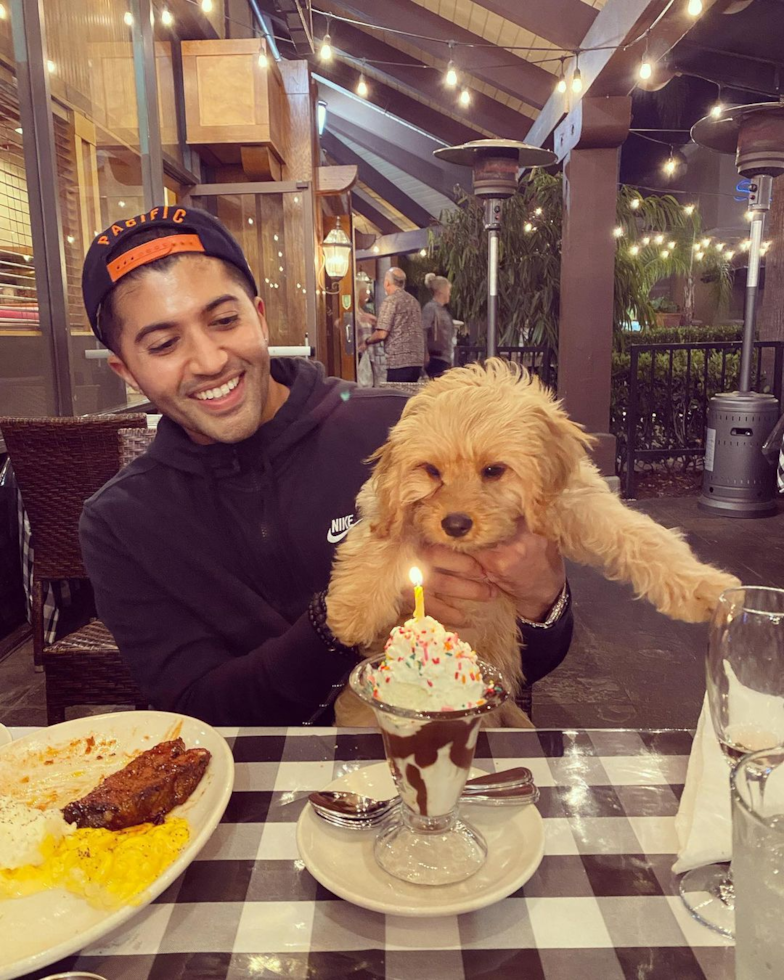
(745,680)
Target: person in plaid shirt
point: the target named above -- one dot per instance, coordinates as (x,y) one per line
(399,327)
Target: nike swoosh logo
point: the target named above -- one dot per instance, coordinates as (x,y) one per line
(334,538)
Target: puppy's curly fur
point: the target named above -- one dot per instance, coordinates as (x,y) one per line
(491,442)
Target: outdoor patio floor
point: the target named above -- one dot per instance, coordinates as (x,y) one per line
(628,666)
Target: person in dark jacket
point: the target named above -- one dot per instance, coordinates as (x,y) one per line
(210,554)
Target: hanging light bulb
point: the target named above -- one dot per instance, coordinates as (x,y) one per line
(670,165)
(646,68)
(717,110)
(561,86)
(263,59)
(362,89)
(689,209)
(634,203)
(465,97)
(325,51)
(450,79)
(618,232)
(128,18)
(694,8)
(577,82)
(206,6)
(166,17)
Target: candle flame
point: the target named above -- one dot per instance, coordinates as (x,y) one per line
(416,576)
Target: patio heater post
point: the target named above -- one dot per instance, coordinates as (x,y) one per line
(738,481)
(495,165)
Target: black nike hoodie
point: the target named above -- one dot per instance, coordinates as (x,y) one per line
(203,559)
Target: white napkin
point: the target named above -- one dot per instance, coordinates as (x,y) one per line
(704,821)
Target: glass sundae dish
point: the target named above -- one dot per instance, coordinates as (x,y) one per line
(429,692)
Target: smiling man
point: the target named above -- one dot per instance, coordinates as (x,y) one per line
(210,554)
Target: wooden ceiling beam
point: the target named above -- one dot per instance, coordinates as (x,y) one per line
(390,100)
(376,181)
(491,64)
(384,224)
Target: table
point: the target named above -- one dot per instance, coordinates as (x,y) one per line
(602,906)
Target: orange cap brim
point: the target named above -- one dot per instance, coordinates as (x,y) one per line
(151,252)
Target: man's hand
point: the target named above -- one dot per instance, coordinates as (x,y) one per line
(527,567)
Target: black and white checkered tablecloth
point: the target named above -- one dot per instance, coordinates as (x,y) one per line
(602,906)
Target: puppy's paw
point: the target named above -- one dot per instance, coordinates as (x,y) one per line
(357,620)
(697,599)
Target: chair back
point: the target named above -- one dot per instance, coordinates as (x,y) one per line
(134,442)
(58,464)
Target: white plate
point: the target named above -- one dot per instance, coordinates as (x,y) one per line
(342,860)
(42,928)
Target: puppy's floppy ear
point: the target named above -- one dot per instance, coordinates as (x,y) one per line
(388,482)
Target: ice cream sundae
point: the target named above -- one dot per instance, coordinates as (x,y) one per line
(430,692)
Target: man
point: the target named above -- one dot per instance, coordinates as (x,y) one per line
(210,554)
(399,328)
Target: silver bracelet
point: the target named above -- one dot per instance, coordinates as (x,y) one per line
(557,610)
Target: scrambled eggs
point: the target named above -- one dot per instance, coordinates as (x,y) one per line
(107,868)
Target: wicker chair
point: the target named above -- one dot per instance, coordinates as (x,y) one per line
(133,442)
(59,463)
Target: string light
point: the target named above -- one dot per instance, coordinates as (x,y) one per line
(618,232)
(325,51)
(717,110)
(450,79)
(465,97)
(70,239)
(634,250)
(3,12)
(728,255)
(128,18)
(705,242)
(537,211)
(561,86)
(250,221)
(577,81)
(745,245)
(696,246)
(166,17)
(51,67)
(376,249)
(634,203)
(646,68)
(719,246)
(263,59)
(423,252)
(528,227)
(670,165)
(206,6)
(700,255)
(659,239)
(689,209)
(646,240)
(671,245)
(665,254)
(694,8)
(362,89)
(749,216)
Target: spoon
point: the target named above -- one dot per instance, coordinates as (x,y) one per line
(512,787)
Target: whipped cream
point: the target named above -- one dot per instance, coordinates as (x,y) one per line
(428,668)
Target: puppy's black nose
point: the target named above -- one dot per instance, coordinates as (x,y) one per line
(456,525)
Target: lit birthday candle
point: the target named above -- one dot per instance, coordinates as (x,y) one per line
(419,593)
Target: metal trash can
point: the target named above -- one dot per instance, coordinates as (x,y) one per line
(738,479)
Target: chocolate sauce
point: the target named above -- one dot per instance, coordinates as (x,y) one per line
(424,746)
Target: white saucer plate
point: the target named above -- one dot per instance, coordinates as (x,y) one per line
(342,860)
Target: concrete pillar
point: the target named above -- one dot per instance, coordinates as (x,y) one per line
(589,140)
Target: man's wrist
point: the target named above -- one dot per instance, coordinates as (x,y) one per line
(547,615)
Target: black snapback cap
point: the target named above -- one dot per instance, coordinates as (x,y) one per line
(113,254)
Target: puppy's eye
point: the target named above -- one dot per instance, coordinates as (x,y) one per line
(431,471)
(493,472)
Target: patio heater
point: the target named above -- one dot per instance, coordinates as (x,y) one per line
(738,481)
(495,164)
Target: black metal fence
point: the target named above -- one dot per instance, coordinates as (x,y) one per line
(660,410)
(540,361)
